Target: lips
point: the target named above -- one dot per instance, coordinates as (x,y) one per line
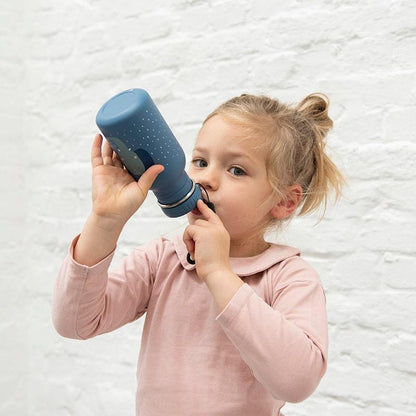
(210,205)
(196,211)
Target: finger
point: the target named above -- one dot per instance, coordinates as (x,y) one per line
(207,212)
(107,154)
(189,243)
(117,161)
(96,157)
(149,176)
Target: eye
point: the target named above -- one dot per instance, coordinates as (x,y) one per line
(236,171)
(200,163)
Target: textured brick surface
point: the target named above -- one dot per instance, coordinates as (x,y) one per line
(59,61)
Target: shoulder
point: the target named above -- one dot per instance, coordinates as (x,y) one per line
(293,281)
(155,247)
(156,252)
(291,270)
(297,268)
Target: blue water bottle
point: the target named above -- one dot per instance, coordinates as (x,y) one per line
(137,132)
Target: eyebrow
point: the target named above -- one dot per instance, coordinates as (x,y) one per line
(228,153)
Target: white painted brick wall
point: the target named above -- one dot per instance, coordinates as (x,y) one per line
(60,60)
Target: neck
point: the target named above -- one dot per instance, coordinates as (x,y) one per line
(248,248)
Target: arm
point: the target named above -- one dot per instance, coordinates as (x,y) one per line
(86,301)
(283,344)
(116,197)
(89,301)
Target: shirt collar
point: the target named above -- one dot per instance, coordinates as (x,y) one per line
(243,266)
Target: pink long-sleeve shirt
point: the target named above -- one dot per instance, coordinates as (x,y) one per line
(268,346)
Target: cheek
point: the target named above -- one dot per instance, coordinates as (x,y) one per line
(194,175)
(251,209)
(189,171)
(239,214)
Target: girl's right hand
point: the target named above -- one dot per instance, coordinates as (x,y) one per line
(116,196)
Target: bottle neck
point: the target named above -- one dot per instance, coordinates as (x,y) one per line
(181,201)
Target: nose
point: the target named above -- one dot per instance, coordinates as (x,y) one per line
(208,178)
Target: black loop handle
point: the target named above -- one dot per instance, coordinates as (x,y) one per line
(189,259)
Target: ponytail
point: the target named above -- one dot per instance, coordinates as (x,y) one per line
(326,176)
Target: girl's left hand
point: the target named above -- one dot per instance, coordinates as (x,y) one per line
(208,243)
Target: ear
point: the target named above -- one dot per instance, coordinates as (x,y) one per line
(287,206)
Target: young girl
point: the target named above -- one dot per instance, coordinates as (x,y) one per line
(244,329)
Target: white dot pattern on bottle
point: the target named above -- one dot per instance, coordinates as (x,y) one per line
(158,141)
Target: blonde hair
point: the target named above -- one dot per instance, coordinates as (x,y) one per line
(295,143)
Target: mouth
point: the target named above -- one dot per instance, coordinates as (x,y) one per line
(196,211)
(211,205)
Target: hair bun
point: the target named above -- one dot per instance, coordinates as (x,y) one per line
(314,107)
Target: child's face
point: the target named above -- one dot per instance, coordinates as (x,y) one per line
(232,168)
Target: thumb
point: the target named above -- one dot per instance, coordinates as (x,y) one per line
(189,242)
(145,181)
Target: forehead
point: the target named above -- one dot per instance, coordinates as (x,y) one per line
(230,135)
